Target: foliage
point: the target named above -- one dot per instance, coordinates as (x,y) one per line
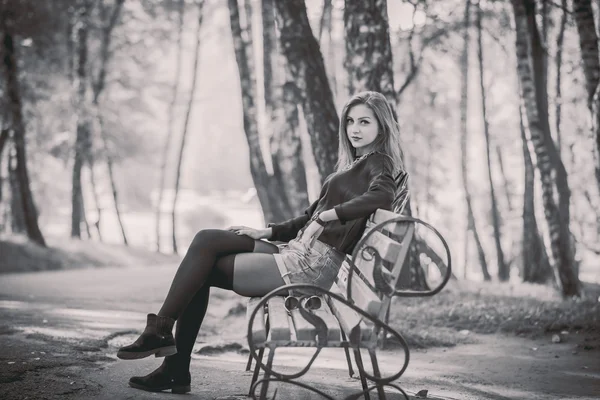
(526,310)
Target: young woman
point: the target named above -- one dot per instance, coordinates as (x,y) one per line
(237,259)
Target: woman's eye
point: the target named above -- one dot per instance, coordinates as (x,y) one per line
(364,122)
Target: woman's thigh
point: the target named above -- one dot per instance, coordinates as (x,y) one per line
(260,246)
(256,274)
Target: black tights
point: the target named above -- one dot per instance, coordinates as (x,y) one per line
(208,262)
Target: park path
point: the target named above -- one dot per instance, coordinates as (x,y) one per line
(80,317)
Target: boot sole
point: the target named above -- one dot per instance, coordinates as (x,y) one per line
(174,389)
(159,352)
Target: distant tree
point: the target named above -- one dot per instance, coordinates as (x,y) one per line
(171,120)
(464,157)
(283,120)
(536,265)
(186,122)
(3,142)
(552,172)
(503,266)
(272,203)
(83,141)
(10,70)
(305,62)
(98,86)
(588,43)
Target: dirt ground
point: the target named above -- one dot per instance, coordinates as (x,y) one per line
(61,343)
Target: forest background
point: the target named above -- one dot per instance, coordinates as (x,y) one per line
(141,122)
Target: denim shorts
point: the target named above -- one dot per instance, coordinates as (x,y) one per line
(317,265)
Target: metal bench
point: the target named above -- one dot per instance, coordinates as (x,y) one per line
(354,311)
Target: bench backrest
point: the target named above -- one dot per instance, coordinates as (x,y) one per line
(374,276)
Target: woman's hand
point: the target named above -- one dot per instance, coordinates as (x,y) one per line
(311,233)
(253,233)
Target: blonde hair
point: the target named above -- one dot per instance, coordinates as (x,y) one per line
(388,139)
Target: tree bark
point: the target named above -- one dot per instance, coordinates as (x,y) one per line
(170,123)
(503,267)
(536,265)
(558,59)
(83,141)
(13,94)
(186,126)
(368,49)
(307,68)
(325,26)
(464,139)
(552,173)
(588,42)
(281,101)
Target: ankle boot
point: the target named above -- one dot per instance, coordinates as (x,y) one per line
(156,339)
(173,374)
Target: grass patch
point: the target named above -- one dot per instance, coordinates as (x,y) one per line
(520,309)
(21,255)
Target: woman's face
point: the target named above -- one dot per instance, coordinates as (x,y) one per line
(361,128)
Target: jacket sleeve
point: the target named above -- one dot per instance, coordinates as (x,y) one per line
(287,230)
(380,193)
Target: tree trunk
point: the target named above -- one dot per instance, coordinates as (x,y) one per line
(98,87)
(588,42)
(505,181)
(368,49)
(273,204)
(186,126)
(111,176)
(281,102)
(98,221)
(17,216)
(552,173)
(170,123)
(536,265)
(558,58)
(307,68)
(464,104)
(503,267)
(3,141)
(83,141)
(325,26)
(13,94)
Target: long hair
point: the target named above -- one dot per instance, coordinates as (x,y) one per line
(388,140)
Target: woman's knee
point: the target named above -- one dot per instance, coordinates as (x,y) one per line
(205,237)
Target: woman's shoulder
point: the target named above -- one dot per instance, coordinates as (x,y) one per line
(381,160)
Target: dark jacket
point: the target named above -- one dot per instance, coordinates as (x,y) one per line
(354,194)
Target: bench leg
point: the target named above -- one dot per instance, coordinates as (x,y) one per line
(265,385)
(377,374)
(249,364)
(261,353)
(361,371)
(348,360)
